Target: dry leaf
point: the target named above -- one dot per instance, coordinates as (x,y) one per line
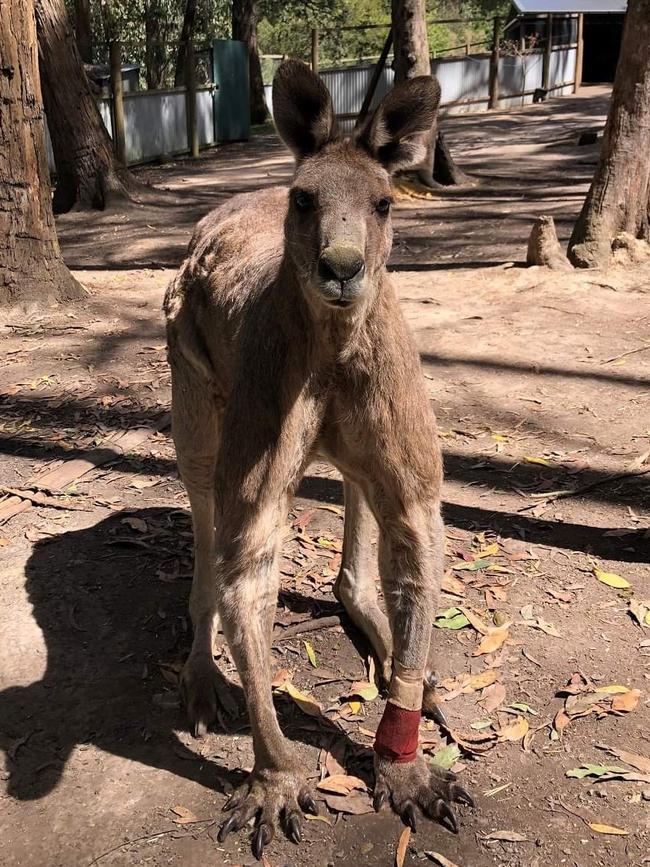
(625,702)
(492,697)
(641,763)
(611,579)
(341,784)
(638,608)
(453,585)
(306,703)
(475,620)
(363,690)
(506,836)
(184,816)
(355,804)
(402,846)
(492,641)
(514,731)
(607,829)
(311,654)
(440,859)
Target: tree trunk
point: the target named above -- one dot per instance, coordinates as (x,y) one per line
(244,28)
(411,58)
(83,30)
(154,50)
(87,172)
(619,198)
(187,33)
(31,267)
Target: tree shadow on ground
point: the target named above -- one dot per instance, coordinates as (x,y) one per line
(107,622)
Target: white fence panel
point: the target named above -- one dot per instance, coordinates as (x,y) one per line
(464,81)
(155,123)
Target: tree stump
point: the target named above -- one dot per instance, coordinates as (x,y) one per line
(544,247)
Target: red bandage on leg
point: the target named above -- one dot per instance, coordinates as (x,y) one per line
(397,735)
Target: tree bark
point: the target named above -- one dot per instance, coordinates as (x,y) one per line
(87,172)
(31,267)
(410,59)
(83,30)
(187,33)
(619,198)
(244,28)
(154,50)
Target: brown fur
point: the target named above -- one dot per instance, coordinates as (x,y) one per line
(273,364)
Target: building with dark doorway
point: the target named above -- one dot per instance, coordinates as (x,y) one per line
(598,30)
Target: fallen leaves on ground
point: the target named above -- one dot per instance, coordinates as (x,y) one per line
(306,703)
(354,804)
(311,654)
(607,829)
(640,611)
(514,731)
(506,836)
(341,784)
(590,770)
(183,816)
(450,618)
(363,690)
(402,846)
(446,756)
(529,619)
(440,859)
(583,698)
(641,763)
(493,640)
(611,579)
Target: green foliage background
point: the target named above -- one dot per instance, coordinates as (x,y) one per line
(285,27)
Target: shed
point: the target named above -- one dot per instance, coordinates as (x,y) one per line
(599,31)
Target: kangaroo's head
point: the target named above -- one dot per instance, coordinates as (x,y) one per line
(338,233)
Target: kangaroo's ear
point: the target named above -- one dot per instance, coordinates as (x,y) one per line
(396,134)
(302,109)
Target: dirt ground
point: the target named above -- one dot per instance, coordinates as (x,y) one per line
(541,384)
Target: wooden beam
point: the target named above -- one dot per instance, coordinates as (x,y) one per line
(117,89)
(314,49)
(580,53)
(376,75)
(493,101)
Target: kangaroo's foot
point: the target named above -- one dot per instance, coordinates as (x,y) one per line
(418,784)
(206,694)
(272,798)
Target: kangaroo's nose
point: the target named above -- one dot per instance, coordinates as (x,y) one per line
(340,262)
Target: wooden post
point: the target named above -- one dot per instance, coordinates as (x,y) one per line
(117,89)
(468,47)
(190,100)
(376,75)
(494,65)
(580,53)
(548,51)
(314,49)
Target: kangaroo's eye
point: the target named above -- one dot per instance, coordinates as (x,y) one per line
(383,206)
(303,200)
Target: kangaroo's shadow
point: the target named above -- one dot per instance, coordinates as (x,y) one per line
(108,620)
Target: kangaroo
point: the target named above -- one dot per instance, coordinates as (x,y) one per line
(286,342)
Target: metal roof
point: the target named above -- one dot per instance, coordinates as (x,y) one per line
(571,5)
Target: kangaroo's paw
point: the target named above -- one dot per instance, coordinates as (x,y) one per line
(206,694)
(273,798)
(418,784)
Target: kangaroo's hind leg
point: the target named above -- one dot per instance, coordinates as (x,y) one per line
(195,427)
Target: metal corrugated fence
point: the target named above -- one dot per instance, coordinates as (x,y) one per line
(464,81)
